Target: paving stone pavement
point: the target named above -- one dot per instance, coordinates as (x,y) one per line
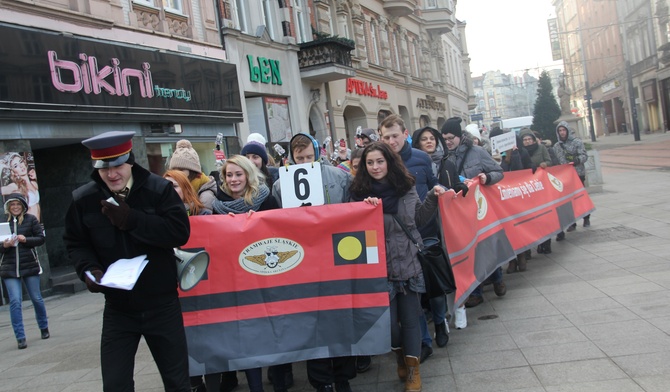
(592,316)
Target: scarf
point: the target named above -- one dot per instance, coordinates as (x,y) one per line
(198,182)
(239,206)
(384,191)
(532,148)
(436,157)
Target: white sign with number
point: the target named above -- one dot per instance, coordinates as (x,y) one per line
(502,143)
(301,185)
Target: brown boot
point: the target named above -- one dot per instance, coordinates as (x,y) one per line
(413,382)
(402,367)
(511,267)
(521,261)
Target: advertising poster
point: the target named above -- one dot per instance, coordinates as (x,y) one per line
(279,121)
(19,176)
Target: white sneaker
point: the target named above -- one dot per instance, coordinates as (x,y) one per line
(460,318)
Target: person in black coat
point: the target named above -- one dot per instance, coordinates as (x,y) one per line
(18,262)
(123,213)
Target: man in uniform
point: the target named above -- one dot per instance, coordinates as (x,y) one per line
(146,217)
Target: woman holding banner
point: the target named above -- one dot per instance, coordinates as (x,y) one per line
(539,155)
(473,163)
(382,177)
(243,190)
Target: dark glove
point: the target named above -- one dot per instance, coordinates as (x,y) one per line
(121,216)
(461,187)
(92,286)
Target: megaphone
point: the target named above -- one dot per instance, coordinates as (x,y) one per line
(191,267)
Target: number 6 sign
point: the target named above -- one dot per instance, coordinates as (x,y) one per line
(301,185)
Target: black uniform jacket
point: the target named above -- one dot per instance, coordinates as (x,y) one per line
(161,225)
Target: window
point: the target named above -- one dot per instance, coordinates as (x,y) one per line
(374,58)
(173,5)
(417,54)
(396,51)
(301,19)
(241,15)
(268,17)
(431,4)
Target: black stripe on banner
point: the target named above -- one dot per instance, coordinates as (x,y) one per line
(291,338)
(284,293)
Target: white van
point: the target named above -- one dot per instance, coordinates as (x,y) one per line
(516,124)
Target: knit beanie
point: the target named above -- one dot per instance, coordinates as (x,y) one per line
(473,129)
(452,126)
(185,157)
(256,137)
(254,147)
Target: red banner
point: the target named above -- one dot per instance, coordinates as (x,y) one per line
(496,222)
(287,285)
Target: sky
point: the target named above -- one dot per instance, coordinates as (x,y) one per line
(509,36)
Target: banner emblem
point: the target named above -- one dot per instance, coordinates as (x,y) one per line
(482,205)
(271,256)
(358,247)
(555,182)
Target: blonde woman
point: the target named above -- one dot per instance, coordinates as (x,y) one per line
(243,188)
(18,262)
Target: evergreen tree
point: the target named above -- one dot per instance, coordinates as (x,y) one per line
(546,110)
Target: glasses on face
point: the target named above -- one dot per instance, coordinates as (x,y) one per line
(527,140)
(449,138)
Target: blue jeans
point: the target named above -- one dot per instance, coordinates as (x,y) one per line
(496,277)
(438,306)
(15,292)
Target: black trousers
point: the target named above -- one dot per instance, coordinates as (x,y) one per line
(325,371)
(163,330)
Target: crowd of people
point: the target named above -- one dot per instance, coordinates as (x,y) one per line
(126,211)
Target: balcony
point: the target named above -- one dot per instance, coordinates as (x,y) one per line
(325,60)
(399,8)
(664,54)
(438,20)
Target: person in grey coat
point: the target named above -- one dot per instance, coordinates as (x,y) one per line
(473,162)
(384,177)
(336,182)
(570,149)
(322,372)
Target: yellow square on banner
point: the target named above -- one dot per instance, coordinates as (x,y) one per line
(358,247)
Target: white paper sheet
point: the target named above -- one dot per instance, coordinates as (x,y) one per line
(123,273)
(5,231)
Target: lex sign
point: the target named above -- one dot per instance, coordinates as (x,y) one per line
(264,70)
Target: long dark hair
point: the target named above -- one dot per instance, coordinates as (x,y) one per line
(398,176)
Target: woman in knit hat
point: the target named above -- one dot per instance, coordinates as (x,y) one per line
(18,262)
(256,152)
(186,159)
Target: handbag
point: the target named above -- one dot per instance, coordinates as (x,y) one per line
(435,264)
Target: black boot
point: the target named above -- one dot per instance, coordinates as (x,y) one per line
(441,336)
(547,247)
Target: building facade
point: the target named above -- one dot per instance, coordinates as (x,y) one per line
(612,53)
(211,72)
(72,70)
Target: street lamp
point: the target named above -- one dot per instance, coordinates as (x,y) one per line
(587,87)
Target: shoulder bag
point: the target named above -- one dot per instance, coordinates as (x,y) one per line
(437,271)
